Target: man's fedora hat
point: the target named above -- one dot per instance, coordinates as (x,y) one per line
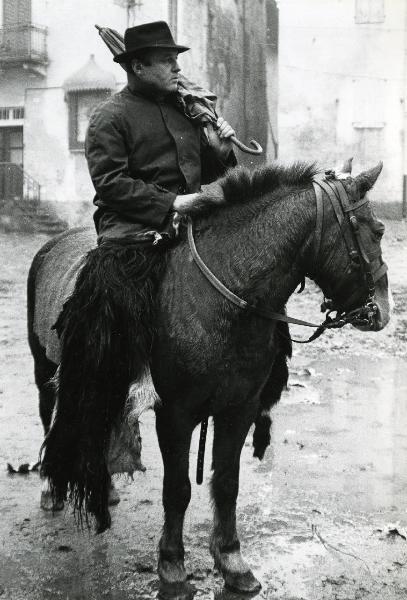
(149,35)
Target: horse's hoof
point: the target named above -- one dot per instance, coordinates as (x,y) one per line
(171,573)
(176,591)
(242,582)
(114,496)
(48,504)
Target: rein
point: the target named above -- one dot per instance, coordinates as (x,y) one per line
(349,228)
(229,295)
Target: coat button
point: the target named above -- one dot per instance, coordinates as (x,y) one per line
(181,189)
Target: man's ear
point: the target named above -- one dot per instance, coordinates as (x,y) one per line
(136,66)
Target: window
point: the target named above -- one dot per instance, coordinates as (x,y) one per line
(84,90)
(369,11)
(80,107)
(368,145)
(369,103)
(9,113)
(11,145)
(16,12)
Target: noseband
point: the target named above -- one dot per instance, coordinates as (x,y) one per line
(349,229)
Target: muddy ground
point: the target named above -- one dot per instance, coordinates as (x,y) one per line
(323,517)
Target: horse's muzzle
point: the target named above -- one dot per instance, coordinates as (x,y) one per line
(377,321)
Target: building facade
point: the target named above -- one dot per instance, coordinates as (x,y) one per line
(54,69)
(342,84)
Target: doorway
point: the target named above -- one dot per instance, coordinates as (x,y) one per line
(11,163)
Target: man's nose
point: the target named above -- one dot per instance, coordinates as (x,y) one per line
(176,68)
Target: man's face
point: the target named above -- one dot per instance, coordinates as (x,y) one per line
(161,74)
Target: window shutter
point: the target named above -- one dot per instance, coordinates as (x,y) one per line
(16,12)
(369,103)
(369,11)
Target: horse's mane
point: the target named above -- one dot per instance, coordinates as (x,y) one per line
(241,185)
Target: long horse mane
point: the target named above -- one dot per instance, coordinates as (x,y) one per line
(241,185)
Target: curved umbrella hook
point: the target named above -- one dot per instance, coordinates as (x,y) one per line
(115,43)
(256,148)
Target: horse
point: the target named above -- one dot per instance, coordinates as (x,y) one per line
(222,338)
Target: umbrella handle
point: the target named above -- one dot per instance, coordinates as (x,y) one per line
(256,148)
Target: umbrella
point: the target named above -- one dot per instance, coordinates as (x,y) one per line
(199,104)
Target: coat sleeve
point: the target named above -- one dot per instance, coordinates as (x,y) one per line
(107,156)
(212,167)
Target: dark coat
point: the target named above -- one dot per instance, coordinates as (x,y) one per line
(141,153)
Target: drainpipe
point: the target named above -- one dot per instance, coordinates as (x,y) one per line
(244,69)
(404,199)
(173,17)
(131,5)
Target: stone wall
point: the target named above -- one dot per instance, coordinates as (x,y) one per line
(341,89)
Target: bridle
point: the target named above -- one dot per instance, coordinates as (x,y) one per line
(344,210)
(359,259)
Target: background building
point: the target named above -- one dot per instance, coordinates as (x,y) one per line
(342,88)
(309,79)
(54,69)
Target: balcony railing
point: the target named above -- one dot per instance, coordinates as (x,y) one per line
(23,44)
(16,184)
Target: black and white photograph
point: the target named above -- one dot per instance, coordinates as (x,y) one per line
(203,299)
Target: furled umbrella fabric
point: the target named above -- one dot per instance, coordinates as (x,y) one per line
(198,103)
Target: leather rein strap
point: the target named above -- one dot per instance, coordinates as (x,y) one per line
(229,295)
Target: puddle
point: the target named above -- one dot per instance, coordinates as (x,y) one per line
(347,433)
(300,393)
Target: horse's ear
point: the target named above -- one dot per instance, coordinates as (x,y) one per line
(347,166)
(366,180)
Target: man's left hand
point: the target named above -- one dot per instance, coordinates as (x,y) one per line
(219,138)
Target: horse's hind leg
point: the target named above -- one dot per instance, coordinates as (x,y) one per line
(230,430)
(44,371)
(174,436)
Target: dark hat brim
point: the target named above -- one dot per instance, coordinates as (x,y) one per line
(125,56)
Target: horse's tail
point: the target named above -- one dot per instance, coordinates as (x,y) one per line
(106,329)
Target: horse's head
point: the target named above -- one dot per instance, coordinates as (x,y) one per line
(353,273)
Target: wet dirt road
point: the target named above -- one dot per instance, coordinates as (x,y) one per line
(323,517)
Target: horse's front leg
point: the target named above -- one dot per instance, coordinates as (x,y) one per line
(174,432)
(230,430)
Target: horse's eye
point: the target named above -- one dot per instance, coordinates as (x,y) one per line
(378,231)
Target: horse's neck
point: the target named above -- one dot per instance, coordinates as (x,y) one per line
(262,259)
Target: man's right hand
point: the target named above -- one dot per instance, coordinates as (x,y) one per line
(182,204)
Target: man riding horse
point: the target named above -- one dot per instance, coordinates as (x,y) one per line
(220,340)
(146,158)
(148,161)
